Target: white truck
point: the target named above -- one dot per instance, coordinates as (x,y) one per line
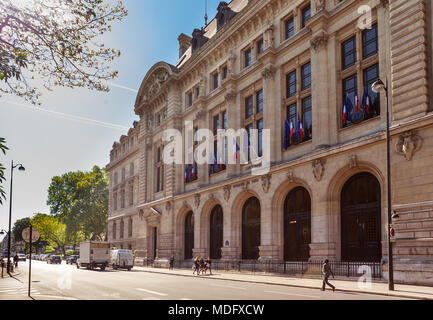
(94,255)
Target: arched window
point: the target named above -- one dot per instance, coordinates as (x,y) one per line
(251,229)
(361,219)
(216,232)
(189,235)
(297,225)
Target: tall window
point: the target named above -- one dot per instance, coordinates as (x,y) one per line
(260,46)
(122,229)
(191,170)
(115,201)
(131,169)
(253,119)
(306,15)
(116,178)
(189,99)
(358,77)
(122,198)
(215,80)
(123,174)
(247,57)
(299,125)
(130,228)
(159,170)
(131,195)
(220,152)
(114,230)
(290,28)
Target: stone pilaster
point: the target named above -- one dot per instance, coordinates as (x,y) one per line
(410,87)
(319,80)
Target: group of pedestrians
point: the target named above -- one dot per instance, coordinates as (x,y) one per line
(202,266)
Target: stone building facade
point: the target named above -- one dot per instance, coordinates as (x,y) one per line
(278,65)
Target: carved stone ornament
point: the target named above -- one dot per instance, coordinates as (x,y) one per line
(231,62)
(319,41)
(269,72)
(230,96)
(269,40)
(290,177)
(141,214)
(200,114)
(318,169)
(197,200)
(212,197)
(155,81)
(226,191)
(168,206)
(266,182)
(320,5)
(353,161)
(408,144)
(185,204)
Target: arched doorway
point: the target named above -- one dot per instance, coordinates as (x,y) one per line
(251,229)
(189,235)
(361,219)
(297,225)
(216,232)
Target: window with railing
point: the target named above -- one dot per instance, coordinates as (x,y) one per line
(359,102)
(219,158)
(298,125)
(159,170)
(253,119)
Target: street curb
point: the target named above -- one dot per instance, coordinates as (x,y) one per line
(295,286)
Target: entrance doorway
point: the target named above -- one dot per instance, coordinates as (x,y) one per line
(251,229)
(189,235)
(297,225)
(216,232)
(361,219)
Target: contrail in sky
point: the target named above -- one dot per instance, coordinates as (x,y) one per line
(70,116)
(122,87)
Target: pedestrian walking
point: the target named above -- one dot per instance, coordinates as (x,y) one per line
(209,264)
(326,273)
(172,262)
(16,260)
(196,266)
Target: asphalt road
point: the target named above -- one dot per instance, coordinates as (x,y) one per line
(68,282)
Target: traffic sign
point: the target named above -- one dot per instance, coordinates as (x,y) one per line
(26,235)
(392,233)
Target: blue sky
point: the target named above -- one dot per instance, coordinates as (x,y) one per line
(49,144)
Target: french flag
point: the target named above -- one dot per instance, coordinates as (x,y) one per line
(366,101)
(235,149)
(344,114)
(356,102)
(192,173)
(186,174)
(291,130)
(300,130)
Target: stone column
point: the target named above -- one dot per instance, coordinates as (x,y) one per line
(322,112)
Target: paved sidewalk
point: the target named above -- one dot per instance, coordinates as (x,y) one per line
(380,288)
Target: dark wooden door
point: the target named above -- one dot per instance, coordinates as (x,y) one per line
(251,229)
(297,225)
(216,232)
(189,235)
(155,241)
(361,219)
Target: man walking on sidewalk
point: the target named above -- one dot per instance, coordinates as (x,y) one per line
(327,272)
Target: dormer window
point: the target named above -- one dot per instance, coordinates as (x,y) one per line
(224,15)
(198,39)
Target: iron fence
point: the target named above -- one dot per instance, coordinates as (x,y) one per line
(373,270)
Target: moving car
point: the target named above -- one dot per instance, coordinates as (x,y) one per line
(22,257)
(54,260)
(122,259)
(94,255)
(71,259)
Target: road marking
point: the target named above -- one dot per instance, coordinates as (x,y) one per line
(292,294)
(151,299)
(185,299)
(231,287)
(55,297)
(152,292)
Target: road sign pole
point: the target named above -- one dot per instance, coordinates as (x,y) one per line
(30,261)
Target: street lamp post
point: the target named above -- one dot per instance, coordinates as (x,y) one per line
(377,87)
(20,168)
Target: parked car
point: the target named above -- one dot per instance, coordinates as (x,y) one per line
(54,259)
(122,259)
(72,259)
(22,257)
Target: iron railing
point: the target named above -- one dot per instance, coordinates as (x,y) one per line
(373,270)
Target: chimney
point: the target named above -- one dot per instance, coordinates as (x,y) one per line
(184,44)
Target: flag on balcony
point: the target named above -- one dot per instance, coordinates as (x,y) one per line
(300,130)
(366,102)
(235,149)
(287,135)
(186,174)
(291,131)
(356,102)
(192,172)
(347,110)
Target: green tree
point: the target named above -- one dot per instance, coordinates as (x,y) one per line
(3,149)
(18,228)
(51,230)
(80,200)
(58,39)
